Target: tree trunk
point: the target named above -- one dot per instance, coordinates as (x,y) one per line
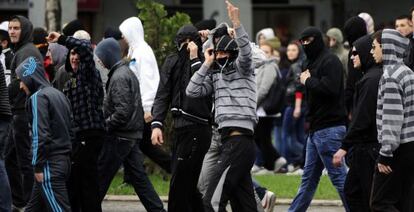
(53,15)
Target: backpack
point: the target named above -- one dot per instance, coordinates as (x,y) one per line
(275,98)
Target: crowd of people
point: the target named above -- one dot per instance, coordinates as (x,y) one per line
(73,113)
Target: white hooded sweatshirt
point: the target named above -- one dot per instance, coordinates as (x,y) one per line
(143,62)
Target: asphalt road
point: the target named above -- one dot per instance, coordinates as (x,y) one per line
(132,206)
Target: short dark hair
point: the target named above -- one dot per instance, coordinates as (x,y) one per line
(377,36)
(401,17)
(411,10)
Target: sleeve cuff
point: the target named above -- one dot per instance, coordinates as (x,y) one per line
(38,168)
(156,124)
(62,40)
(385,160)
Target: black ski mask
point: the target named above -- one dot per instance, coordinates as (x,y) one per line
(314,48)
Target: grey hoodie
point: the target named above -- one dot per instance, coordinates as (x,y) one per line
(234,89)
(395,104)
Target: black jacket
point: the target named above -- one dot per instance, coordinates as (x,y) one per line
(324,89)
(363,128)
(123,108)
(22,50)
(354,28)
(50,114)
(174,78)
(409,58)
(5,111)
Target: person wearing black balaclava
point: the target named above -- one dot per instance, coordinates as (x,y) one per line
(191,120)
(354,28)
(323,81)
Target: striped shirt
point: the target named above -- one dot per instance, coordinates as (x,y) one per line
(234,88)
(395,104)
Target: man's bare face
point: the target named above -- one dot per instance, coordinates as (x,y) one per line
(15,31)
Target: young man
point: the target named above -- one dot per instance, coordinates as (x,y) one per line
(409,55)
(394,172)
(323,81)
(18,162)
(361,139)
(191,117)
(51,138)
(404,25)
(228,72)
(85,93)
(124,119)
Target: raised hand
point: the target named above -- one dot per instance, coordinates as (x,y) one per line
(234,14)
(192,48)
(209,56)
(53,37)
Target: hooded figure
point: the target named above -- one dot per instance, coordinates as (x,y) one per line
(51,137)
(394,124)
(191,117)
(324,89)
(362,131)
(391,130)
(23,49)
(338,48)
(143,62)
(58,53)
(267,34)
(354,28)
(124,119)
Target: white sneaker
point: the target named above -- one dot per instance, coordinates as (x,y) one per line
(255,169)
(263,171)
(269,201)
(297,172)
(279,163)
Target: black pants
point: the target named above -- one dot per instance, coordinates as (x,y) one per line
(190,145)
(392,192)
(18,161)
(119,151)
(153,152)
(83,182)
(263,139)
(362,160)
(231,179)
(51,194)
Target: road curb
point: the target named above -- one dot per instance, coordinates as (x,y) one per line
(127,198)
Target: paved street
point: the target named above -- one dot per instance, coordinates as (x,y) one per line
(135,206)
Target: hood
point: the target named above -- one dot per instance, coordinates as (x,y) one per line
(313,49)
(113,33)
(268,33)
(369,22)
(187,31)
(393,47)
(354,28)
(32,74)
(58,53)
(209,42)
(26,35)
(109,52)
(335,33)
(258,56)
(39,40)
(133,32)
(363,46)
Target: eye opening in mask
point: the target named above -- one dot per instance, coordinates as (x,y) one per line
(307,40)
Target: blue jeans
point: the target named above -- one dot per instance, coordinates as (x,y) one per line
(280,144)
(321,146)
(293,134)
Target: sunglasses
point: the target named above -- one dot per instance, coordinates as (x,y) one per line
(354,53)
